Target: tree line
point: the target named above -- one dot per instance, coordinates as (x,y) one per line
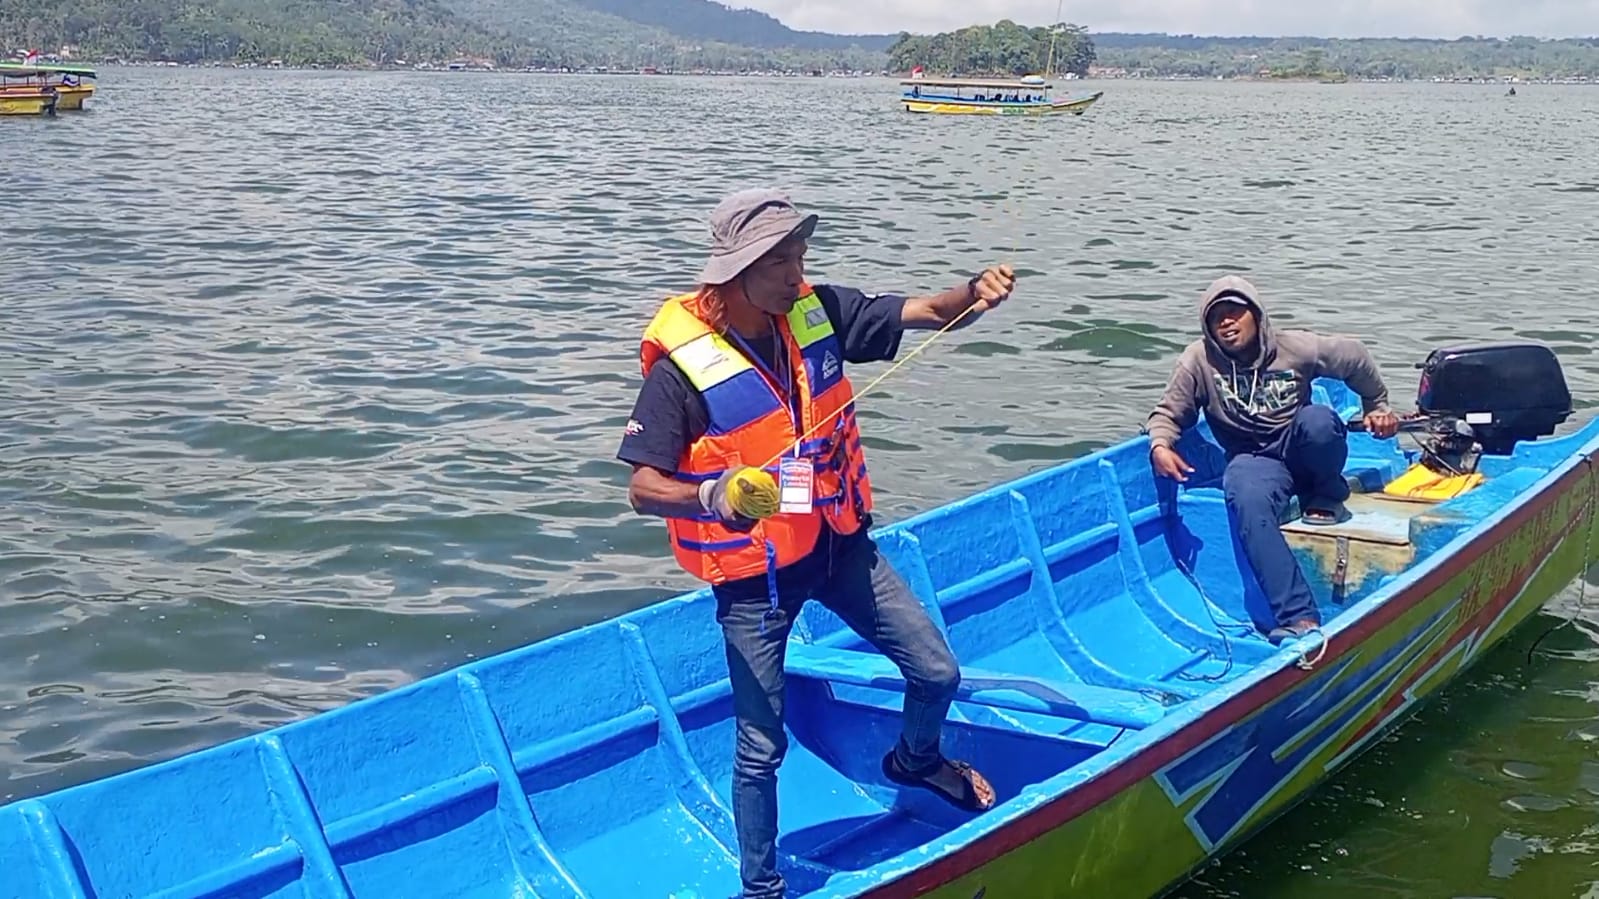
(1002,49)
(510,33)
(1404,59)
(593,33)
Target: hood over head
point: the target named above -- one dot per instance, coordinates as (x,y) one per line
(1236,289)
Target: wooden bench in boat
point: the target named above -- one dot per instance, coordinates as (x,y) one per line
(1019,693)
(1386,535)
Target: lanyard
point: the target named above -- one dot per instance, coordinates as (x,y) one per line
(781,384)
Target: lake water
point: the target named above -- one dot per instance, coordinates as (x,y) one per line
(313,381)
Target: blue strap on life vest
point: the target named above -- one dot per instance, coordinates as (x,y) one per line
(771,585)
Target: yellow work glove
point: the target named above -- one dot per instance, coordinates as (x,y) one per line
(741,497)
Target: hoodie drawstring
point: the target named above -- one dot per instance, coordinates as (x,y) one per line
(1254,386)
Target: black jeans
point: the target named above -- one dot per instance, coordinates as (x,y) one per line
(865,591)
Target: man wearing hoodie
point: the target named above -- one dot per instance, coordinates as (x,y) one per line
(1253,383)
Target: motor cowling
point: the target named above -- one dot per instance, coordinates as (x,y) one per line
(1504,392)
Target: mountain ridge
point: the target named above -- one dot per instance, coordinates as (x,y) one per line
(709,19)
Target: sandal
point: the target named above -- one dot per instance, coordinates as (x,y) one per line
(1325,514)
(1292,631)
(966,799)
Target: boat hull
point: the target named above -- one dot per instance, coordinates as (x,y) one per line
(71,99)
(1141,830)
(532,772)
(28,102)
(1076,106)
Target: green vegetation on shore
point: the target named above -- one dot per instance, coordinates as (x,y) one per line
(703,34)
(296,31)
(582,33)
(1162,55)
(508,33)
(1004,49)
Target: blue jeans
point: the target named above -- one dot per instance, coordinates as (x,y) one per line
(1306,461)
(865,591)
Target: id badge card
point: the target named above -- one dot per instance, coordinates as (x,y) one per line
(795,480)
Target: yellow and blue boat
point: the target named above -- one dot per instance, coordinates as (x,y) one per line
(1115,686)
(981,96)
(33,89)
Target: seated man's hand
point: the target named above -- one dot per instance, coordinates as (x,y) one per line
(1170,465)
(1382,424)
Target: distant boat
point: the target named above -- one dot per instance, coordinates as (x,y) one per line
(1029,95)
(1115,687)
(34,89)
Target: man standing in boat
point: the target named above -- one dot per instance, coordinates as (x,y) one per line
(1253,383)
(744,377)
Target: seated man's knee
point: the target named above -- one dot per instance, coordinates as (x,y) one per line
(1250,495)
(1318,422)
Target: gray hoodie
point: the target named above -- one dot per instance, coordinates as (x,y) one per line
(1250,406)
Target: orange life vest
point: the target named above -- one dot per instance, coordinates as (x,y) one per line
(753,419)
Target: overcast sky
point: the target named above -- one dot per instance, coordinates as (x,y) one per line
(1324,18)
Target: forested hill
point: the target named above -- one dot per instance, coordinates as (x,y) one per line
(670,34)
(709,20)
(352,32)
(328,31)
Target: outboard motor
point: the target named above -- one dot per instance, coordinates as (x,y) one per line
(1474,400)
(1502,392)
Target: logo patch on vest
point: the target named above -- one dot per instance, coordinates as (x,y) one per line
(829,366)
(710,360)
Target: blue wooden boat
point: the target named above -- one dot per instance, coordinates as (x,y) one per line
(1116,690)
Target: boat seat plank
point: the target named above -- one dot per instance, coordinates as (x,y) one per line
(1078,702)
(1372,519)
